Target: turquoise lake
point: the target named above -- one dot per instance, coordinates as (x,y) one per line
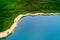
(37,28)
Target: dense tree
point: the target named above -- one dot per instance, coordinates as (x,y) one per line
(9,9)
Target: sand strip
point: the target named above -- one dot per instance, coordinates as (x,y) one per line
(16,20)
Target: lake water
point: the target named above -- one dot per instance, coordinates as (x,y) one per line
(37,28)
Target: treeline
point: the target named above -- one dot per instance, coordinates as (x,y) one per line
(9,9)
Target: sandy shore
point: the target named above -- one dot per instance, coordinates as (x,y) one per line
(16,20)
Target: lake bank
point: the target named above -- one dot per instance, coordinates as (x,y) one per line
(37,28)
(16,20)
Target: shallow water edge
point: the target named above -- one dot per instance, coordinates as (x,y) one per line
(11,29)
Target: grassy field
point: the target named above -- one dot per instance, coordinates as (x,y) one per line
(9,9)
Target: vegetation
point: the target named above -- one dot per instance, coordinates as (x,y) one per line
(9,9)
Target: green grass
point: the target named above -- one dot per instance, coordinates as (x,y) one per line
(9,9)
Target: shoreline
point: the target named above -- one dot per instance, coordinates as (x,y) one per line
(16,21)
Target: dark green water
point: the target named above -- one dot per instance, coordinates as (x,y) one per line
(37,28)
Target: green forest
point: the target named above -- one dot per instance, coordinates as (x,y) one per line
(9,9)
